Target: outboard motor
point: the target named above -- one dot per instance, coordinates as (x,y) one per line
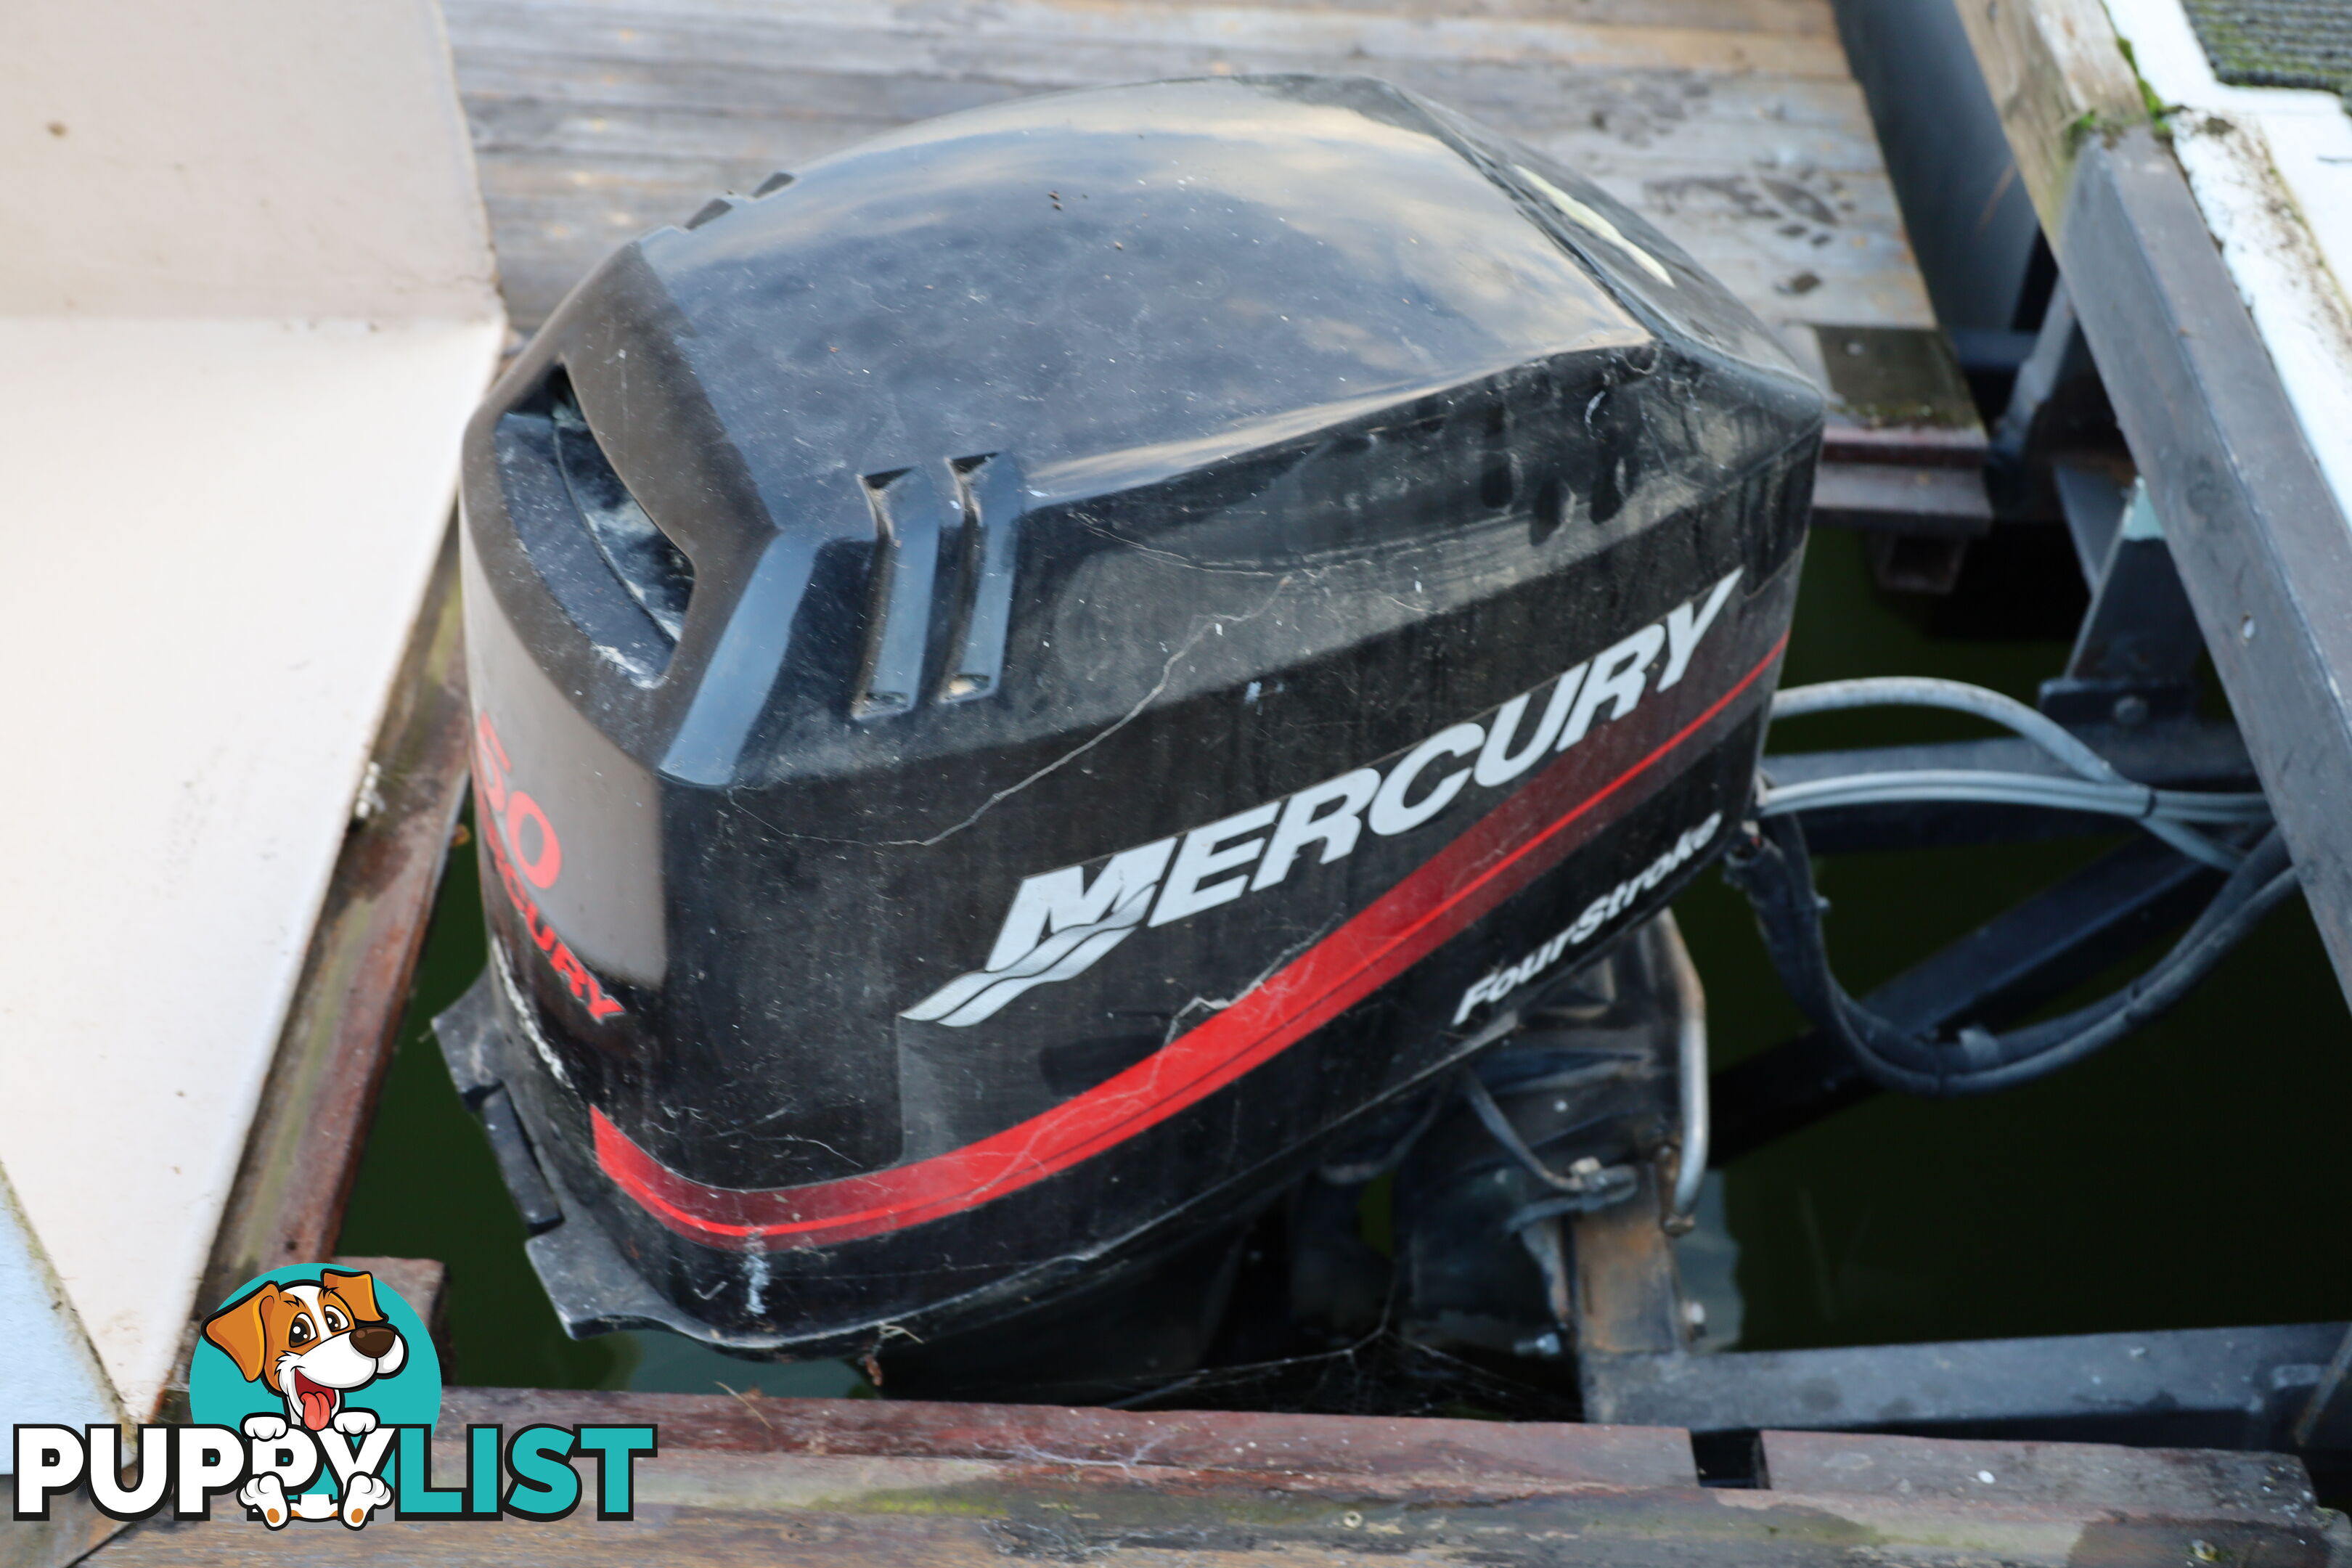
(1037,678)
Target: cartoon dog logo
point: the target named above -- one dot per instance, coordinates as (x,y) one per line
(312,1345)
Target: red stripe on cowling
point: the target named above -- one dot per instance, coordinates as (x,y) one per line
(1507,849)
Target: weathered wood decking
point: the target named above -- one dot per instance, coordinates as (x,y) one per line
(1734,124)
(862,1482)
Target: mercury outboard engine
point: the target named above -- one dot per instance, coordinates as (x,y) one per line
(1036,678)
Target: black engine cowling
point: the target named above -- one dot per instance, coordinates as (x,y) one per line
(1029,677)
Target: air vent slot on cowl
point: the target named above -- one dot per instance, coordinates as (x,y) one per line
(654,570)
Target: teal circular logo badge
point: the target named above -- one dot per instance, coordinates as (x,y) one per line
(319,1347)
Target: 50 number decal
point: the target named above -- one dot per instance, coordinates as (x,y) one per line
(528,853)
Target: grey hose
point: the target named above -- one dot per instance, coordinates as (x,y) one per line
(1690,999)
(2139,803)
(1957,697)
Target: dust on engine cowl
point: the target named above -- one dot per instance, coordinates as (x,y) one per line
(1032,677)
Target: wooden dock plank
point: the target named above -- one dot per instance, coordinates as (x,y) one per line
(2178,1481)
(868,1483)
(1422,1457)
(738,117)
(2057,79)
(1635,39)
(1733,122)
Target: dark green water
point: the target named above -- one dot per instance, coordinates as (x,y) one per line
(2196,1175)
